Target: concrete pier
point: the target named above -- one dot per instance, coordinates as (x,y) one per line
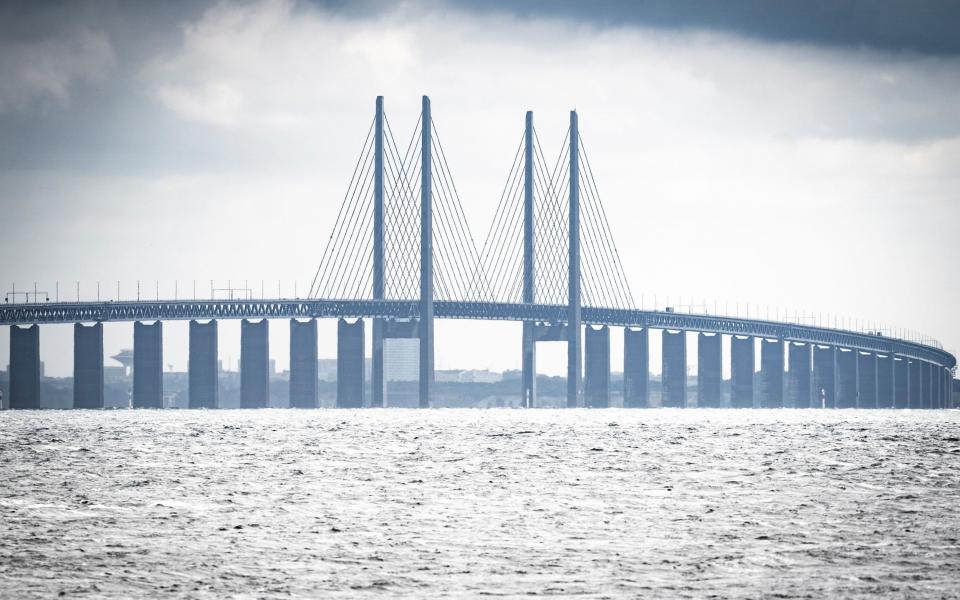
(528,361)
(203,368)
(901,382)
(799,384)
(709,370)
(88,365)
(886,380)
(254,363)
(867,373)
(148,365)
(771,373)
(596,381)
(636,368)
(824,378)
(350,352)
(24,367)
(847,378)
(926,387)
(674,378)
(303,364)
(948,389)
(742,357)
(914,385)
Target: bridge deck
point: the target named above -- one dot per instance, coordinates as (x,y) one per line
(167,310)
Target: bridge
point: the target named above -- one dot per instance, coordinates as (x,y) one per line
(401,255)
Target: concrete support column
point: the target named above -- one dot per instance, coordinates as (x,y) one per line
(926,387)
(24,367)
(254,363)
(426,265)
(915,385)
(528,375)
(148,365)
(799,387)
(954,390)
(901,382)
(938,377)
(709,370)
(573,269)
(771,373)
(847,379)
(303,364)
(951,386)
(886,380)
(597,369)
(203,368)
(377,383)
(636,368)
(867,380)
(824,378)
(673,381)
(350,351)
(88,365)
(742,357)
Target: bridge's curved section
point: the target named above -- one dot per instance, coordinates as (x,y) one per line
(165,310)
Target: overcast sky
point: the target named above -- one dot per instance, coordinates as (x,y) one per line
(799,157)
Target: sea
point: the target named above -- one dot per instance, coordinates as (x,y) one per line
(470,503)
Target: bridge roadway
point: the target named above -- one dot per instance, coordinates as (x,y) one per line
(169,310)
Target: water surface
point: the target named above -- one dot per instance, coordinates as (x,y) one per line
(465,503)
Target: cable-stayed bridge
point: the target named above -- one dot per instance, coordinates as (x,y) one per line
(401,254)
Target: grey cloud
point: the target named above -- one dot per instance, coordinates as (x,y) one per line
(920,26)
(41,73)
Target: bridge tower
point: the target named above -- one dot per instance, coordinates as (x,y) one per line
(376,371)
(529,352)
(426,258)
(573,266)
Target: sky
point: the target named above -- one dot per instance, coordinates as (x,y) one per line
(797,157)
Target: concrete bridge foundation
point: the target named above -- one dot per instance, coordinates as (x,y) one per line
(901,382)
(847,378)
(303,364)
(674,376)
(742,357)
(885,380)
(824,378)
(350,351)
(867,380)
(799,376)
(636,367)
(596,381)
(709,370)
(24,367)
(203,369)
(88,365)
(254,363)
(771,373)
(148,365)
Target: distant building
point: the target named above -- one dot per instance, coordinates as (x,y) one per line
(125,358)
(401,359)
(469,376)
(327,369)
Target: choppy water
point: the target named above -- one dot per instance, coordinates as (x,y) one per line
(454,503)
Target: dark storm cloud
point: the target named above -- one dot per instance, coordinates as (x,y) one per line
(923,26)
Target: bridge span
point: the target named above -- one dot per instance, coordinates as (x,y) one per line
(401,254)
(826,367)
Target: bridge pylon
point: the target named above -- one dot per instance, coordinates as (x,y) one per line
(426,256)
